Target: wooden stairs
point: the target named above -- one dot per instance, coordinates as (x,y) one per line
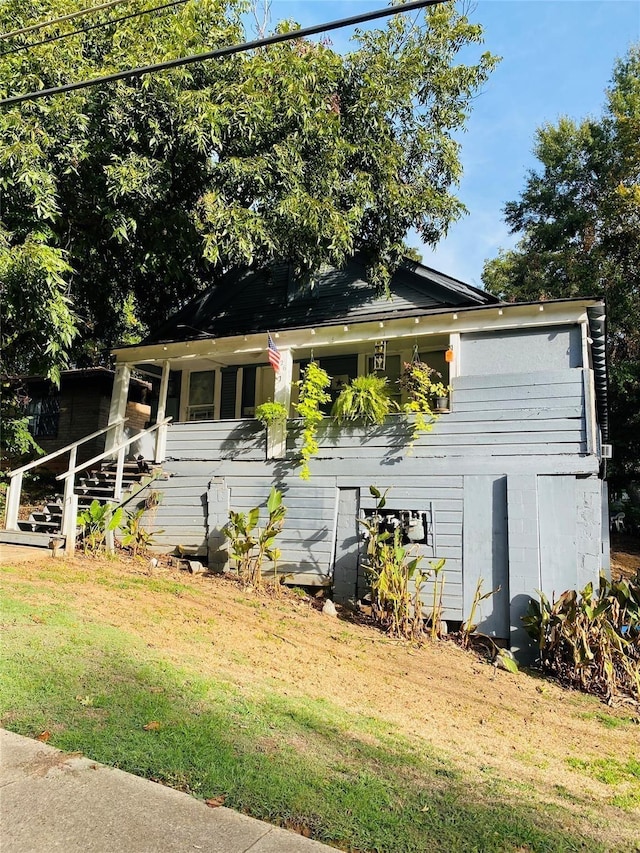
(43,527)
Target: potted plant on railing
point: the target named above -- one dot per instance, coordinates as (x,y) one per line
(441,393)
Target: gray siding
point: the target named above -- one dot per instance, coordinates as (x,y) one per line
(181,517)
(497,473)
(529,350)
(507,415)
(209,441)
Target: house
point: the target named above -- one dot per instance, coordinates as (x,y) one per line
(508,485)
(79,406)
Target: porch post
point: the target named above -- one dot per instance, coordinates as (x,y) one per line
(161,433)
(118,408)
(277,434)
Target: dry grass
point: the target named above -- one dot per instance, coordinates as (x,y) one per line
(538,740)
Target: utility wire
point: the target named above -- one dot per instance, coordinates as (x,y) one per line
(68,17)
(23,47)
(230,50)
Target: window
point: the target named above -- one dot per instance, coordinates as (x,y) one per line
(44,416)
(201,389)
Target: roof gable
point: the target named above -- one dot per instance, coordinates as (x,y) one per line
(269,299)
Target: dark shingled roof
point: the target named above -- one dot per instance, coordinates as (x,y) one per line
(269,299)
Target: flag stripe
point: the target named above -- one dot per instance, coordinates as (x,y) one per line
(273,353)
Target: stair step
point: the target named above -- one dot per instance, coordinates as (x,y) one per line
(33,526)
(95,489)
(54,508)
(40,517)
(22,537)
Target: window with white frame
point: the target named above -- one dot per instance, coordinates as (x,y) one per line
(201,390)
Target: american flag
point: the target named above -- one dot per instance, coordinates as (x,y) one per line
(273,353)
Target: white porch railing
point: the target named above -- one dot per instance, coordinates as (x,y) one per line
(14,490)
(70,500)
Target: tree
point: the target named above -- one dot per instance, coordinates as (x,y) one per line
(579,217)
(122,201)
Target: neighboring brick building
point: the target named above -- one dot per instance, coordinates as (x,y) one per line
(79,407)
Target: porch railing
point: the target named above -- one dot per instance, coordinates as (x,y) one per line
(14,490)
(70,498)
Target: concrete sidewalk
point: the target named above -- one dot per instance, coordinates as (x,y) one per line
(50,801)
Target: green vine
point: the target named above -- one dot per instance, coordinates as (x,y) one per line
(313,394)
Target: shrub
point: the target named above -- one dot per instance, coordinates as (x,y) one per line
(591,641)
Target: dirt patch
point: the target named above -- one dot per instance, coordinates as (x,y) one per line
(625,556)
(518,732)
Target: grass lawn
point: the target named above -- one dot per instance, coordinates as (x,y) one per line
(309,722)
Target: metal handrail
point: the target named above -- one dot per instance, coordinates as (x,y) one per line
(112,450)
(66,449)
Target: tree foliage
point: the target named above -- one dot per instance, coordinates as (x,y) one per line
(579,217)
(122,201)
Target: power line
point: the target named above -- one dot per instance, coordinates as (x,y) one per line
(60,20)
(230,50)
(24,47)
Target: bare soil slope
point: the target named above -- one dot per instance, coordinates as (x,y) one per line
(546,743)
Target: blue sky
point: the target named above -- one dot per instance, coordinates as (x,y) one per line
(557,59)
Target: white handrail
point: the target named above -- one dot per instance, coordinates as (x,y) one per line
(14,489)
(66,449)
(112,450)
(70,504)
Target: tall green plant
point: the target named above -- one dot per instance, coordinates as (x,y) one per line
(134,536)
(391,569)
(591,641)
(468,635)
(251,545)
(313,395)
(365,400)
(95,522)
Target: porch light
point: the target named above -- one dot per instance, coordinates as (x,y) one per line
(448,355)
(455,317)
